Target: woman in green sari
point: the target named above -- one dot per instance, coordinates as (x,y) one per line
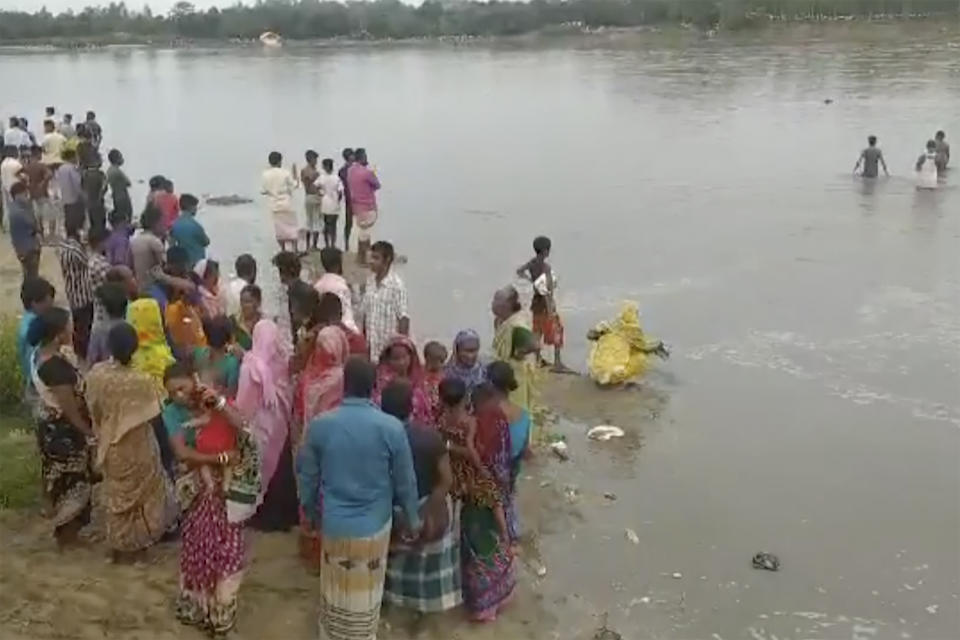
(513,342)
(249,315)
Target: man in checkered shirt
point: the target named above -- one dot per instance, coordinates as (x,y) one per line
(384,306)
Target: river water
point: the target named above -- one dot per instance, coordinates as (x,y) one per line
(811,408)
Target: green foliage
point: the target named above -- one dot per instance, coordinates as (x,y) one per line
(309,19)
(20,468)
(11,379)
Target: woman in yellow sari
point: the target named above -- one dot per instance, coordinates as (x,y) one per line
(511,326)
(138,496)
(153,354)
(152,357)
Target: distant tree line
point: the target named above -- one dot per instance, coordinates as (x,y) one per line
(309,19)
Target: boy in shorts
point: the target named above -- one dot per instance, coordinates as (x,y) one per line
(547,326)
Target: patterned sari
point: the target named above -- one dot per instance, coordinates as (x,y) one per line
(488,563)
(423,410)
(137,493)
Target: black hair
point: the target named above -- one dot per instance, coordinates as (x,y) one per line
(245,266)
(305,298)
(113,297)
(327,164)
(34,290)
(311,155)
(287,263)
(156,182)
(433,346)
(114,156)
(360,154)
(36,150)
(347,153)
(209,267)
(931,144)
(17,188)
(117,217)
(50,110)
(219,330)
(254,291)
(179,369)
(47,326)
(483,393)
(96,235)
(275,158)
(177,256)
(150,217)
(384,248)
(397,400)
(122,341)
(541,244)
(14,121)
(872,140)
(359,376)
(329,308)
(452,391)
(500,374)
(940,134)
(332,259)
(188,202)
(91,115)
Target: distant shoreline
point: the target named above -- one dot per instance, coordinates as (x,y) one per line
(845,27)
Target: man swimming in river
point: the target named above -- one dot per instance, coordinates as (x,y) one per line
(870,158)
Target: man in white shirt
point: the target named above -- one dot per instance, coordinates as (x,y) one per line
(52,143)
(332,281)
(246,274)
(15,136)
(11,172)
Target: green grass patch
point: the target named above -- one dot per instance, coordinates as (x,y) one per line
(19,462)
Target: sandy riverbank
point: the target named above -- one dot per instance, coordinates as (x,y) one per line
(80,595)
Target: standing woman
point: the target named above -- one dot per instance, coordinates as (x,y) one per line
(63,424)
(501,377)
(137,495)
(208,438)
(153,354)
(511,328)
(486,549)
(265,397)
(400,361)
(465,362)
(218,363)
(251,301)
(278,186)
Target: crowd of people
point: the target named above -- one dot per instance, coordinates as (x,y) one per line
(204,413)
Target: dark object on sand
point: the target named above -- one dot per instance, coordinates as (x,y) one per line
(227,201)
(605,633)
(767,561)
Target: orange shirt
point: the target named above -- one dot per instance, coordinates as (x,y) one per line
(185,326)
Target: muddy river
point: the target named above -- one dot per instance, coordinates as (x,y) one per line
(812,405)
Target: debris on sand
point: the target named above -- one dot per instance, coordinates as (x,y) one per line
(606,633)
(767,561)
(541,571)
(226,201)
(632,536)
(604,432)
(609,495)
(559,449)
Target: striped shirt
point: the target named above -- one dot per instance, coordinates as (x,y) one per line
(98,267)
(384,304)
(76,273)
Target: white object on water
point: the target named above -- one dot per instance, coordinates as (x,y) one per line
(632,536)
(271,39)
(559,448)
(676,575)
(927,175)
(604,432)
(541,571)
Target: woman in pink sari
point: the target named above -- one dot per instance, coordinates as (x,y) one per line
(400,360)
(322,350)
(265,397)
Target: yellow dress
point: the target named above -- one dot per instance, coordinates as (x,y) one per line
(620,350)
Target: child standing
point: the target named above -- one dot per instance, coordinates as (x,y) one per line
(547,326)
(331,193)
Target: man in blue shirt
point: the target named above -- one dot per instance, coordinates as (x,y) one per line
(186,232)
(37,295)
(364,460)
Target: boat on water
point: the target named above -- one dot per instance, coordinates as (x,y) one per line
(271,39)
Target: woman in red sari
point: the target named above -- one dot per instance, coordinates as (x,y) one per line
(322,350)
(400,361)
